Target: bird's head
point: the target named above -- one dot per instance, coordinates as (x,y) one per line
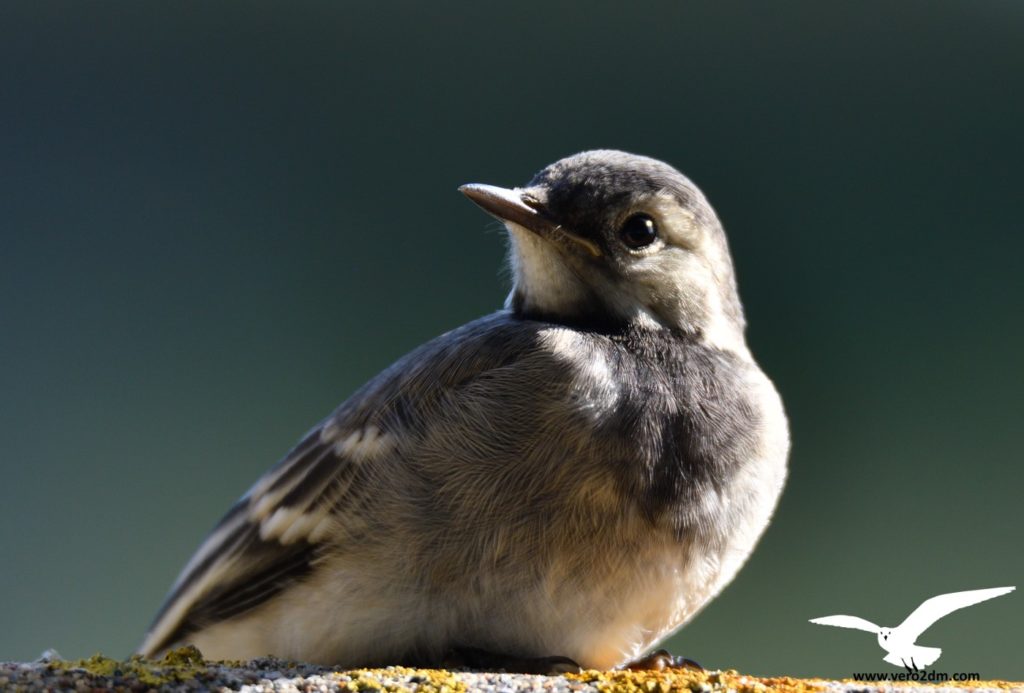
(610,240)
(883,635)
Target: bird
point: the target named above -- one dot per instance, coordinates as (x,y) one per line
(900,643)
(562,483)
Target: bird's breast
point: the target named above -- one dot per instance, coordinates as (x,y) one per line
(678,423)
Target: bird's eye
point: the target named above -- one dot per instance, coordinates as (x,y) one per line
(638,231)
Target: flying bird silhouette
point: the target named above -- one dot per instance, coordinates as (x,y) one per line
(900,642)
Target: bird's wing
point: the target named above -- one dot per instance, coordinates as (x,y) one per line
(842,621)
(933,609)
(276,532)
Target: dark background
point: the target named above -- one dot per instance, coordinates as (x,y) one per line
(218,219)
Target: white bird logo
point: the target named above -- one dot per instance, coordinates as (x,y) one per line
(900,642)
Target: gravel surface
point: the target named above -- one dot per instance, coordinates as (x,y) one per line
(185,670)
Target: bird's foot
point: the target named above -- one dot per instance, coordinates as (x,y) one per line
(659,660)
(477,659)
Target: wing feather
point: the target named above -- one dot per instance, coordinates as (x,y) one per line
(843,621)
(249,556)
(931,610)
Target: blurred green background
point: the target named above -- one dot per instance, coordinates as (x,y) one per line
(219,219)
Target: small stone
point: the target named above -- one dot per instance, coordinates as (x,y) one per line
(50,655)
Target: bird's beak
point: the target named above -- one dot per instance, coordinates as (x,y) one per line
(522,209)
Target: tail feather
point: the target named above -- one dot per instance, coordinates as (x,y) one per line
(922,656)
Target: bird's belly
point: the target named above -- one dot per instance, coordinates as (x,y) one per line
(621,610)
(635,594)
(651,592)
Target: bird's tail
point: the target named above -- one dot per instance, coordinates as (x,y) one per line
(926,656)
(922,657)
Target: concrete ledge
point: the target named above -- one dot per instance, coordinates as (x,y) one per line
(185,670)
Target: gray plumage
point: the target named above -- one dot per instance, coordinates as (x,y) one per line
(575,475)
